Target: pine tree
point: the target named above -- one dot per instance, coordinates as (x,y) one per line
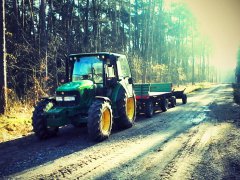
(3,80)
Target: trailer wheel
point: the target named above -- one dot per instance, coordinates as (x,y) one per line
(126,110)
(164,104)
(138,110)
(39,123)
(173,101)
(184,98)
(99,120)
(149,109)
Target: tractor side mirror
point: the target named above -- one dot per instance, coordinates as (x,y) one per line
(130,80)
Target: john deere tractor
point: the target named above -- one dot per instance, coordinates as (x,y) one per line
(98,93)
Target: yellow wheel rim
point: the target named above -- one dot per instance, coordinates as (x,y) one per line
(130,108)
(106,121)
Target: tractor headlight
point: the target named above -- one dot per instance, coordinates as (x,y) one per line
(69,98)
(59,98)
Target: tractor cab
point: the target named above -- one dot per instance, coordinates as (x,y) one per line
(105,70)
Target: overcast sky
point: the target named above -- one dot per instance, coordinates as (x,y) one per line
(220,20)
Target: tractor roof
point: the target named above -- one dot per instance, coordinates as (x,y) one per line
(95,54)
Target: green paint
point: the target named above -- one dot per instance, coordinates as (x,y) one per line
(84,91)
(144,89)
(73,86)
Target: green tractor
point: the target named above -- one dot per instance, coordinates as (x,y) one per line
(98,92)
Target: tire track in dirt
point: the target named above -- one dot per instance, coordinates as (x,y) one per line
(190,155)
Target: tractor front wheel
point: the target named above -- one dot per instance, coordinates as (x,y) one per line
(99,120)
(39,123)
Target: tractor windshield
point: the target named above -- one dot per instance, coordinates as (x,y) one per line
(90,68)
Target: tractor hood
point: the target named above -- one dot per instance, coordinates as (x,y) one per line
(76,86)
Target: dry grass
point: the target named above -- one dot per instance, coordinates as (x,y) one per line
(16,122)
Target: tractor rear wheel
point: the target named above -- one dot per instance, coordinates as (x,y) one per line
(184,98)
(99,120)
(126,110)
(39,123)
(164,104)
(149,109)
(173,101)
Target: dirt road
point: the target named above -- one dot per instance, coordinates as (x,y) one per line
(199,140)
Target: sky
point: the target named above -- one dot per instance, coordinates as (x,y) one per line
(220,21)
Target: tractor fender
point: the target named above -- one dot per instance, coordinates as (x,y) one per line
(115,94)
(103,98)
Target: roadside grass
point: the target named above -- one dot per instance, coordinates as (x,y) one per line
(16,122)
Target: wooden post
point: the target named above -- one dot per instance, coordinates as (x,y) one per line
(3,71)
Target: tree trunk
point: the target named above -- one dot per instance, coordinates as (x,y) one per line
(193,60)
(23,14)
(86,30)
(43,39)
(42,24)
(32,28)
(95,11)
(3,71)
(16,19)
(50,17)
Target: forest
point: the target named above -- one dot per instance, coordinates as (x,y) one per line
(160,38)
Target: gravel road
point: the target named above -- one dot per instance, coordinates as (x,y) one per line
(170,145)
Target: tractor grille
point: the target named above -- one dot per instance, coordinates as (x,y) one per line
(68,103)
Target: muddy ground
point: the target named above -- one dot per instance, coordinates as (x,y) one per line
(199,140)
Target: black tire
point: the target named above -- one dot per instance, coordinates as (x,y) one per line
(79,125)
(164,104)
(173,101)
(126,108)
(39,123)
(184,99)
(99,120)
(149,109)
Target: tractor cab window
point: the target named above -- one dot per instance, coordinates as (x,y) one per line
(123,68)
(90,68)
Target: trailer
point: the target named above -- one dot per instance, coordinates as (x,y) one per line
(155,96)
